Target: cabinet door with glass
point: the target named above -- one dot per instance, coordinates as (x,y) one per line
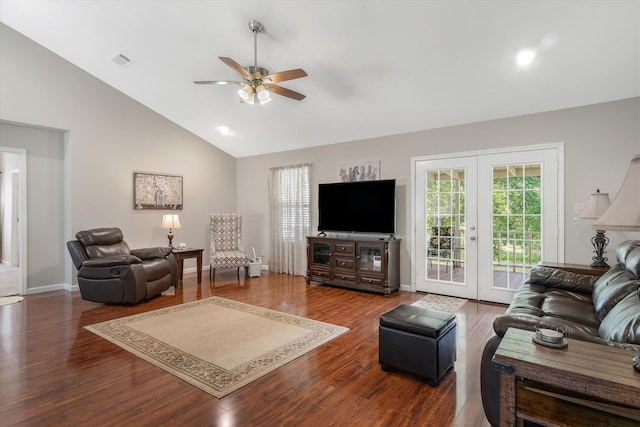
(371,257)
(320,253)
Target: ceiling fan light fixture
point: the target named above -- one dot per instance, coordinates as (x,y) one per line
(262,93)
(246,93)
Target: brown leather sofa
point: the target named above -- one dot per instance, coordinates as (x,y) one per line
(109,272)
(604,310)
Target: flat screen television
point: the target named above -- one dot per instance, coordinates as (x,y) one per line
(358,207)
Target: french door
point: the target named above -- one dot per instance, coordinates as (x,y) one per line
(483,220)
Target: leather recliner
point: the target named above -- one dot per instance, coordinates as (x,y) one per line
(109,272)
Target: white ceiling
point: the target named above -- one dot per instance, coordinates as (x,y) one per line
(375,68)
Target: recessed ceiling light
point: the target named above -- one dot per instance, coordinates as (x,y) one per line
(525,57)
(224,130)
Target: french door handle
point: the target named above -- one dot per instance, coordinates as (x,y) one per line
(473,237)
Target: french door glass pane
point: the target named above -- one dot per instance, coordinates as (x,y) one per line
(517,244)
(444,226)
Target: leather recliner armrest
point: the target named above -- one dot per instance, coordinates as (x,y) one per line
(151,253)
(111,261)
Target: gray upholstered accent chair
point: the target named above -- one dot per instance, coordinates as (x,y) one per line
(109,272)
(226,244)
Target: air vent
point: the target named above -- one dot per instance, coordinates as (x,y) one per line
(121,60)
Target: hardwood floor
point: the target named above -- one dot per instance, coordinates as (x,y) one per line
(54,372)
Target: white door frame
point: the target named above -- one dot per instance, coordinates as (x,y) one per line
(560,193)
(22,214)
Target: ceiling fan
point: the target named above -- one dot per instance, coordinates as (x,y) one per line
(258,84)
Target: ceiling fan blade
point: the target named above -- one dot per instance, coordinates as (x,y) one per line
(239,68)
(218,82)
(279,90)
(286,75)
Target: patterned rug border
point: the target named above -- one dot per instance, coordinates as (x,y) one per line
(204,374)
(440,302)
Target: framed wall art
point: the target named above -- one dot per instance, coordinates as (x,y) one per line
(360,171)
(157,191)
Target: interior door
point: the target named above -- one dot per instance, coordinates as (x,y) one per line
(482,221)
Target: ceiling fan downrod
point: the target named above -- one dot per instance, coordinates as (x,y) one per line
(255,27)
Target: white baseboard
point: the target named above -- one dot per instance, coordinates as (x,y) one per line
(50,288)
(207,268)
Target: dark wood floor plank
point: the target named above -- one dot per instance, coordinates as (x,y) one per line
(55,372)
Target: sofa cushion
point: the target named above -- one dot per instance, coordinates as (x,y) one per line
(572,307)
(619,281)
(610,289)
(554,278)
(537,306)
(622,324)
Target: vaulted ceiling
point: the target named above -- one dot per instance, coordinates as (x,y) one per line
(375,68)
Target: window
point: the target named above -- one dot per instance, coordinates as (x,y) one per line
(290,210)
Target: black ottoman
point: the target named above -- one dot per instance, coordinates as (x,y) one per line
(418,341)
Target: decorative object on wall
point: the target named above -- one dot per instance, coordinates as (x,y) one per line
(360,171)
(596,205)
(170,221)
(157,191)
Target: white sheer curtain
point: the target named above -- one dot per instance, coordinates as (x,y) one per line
(290,217)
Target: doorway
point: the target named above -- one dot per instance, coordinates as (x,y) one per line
(482,220)
(12,225)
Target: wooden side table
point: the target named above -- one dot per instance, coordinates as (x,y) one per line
(583,384)
(182,254)
(575,268)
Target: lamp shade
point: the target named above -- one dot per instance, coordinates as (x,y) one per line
(171,221)
(596,205)
(262,93)
(624,212)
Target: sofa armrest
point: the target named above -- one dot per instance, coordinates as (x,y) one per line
(490,382)
(151,253)
(560,279)
(111,261)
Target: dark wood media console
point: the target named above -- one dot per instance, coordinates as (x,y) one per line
(365,264)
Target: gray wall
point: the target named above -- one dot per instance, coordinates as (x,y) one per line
(107,136)
(45,193)
(599,142)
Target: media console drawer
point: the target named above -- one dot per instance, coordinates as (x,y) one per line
(344,277)
(365,264)
(369,280)
(344,248)
(322,274)
(346,263)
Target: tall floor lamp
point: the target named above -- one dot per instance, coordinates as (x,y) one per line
(624,212)
(596,205)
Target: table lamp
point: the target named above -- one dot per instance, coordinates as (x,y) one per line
(170,221)
(624,212)
(596,205)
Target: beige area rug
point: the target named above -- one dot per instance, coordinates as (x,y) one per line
(440,302)
(217,344)
(10,300)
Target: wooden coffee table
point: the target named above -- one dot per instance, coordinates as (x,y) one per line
(583,384)
(183,253)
